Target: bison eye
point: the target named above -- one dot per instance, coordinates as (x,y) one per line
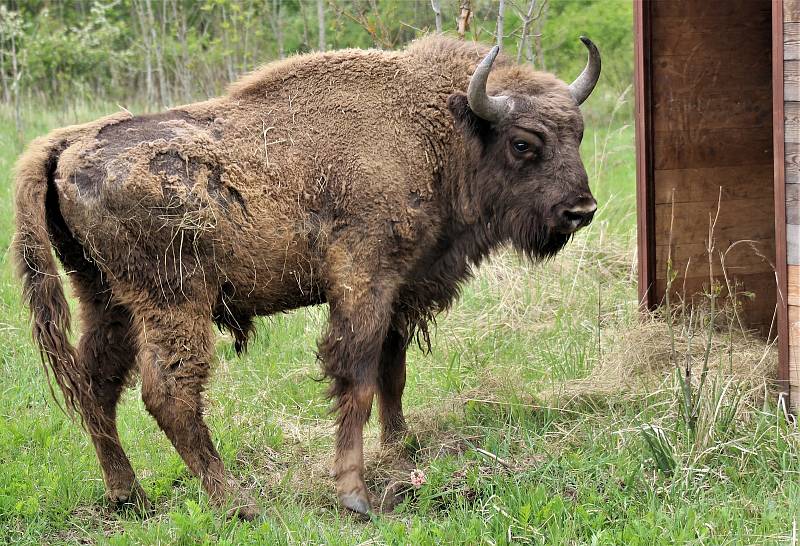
(521,146)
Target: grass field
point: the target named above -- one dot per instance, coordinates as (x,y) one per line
(515,448)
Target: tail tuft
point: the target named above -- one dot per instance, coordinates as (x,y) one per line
(42,288)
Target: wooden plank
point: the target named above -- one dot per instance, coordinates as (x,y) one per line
(791,41)
(712,36)
(793,203)
(721,108)
(703,74)
(793,278)
(691,260)
(645,219)
(712,9)
(791,80)
(793,373)
(778,145)
(794,354)
(791,116)
(703,184)
(712,148)
(791,10)
(792,162)
(793,244)
(757,311)
(738,220)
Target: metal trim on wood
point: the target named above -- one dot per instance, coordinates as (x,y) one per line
(780,194)
(645,194)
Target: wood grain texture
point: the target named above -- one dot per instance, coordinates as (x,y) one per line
(720,108)
(791,116)
(703,74)
(793,203)
(703,184)
(751,219)
(791,41)
(779,194)
(794,378)
(792,162)
(645,213)
(793,278)
(793,244)
(712,148)
(711,36)
(791,80)
(757,311)
(791,11)
(691,260)
(711,119)
(711,9)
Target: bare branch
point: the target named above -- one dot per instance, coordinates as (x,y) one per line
(526,23)
(321,24)
(437,11)
(464,16)
(501,9)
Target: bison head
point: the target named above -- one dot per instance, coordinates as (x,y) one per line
(524,176)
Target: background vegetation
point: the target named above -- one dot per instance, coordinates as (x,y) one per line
(548,411)
(162,53)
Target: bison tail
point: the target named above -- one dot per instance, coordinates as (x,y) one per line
(42,288)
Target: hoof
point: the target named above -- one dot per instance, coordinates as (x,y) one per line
(133,499)
(356,502)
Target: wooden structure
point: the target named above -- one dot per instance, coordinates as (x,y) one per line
(718,137)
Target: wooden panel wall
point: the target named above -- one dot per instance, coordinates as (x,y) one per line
(711,127)
(791,97)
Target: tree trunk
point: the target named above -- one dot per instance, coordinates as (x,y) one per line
(6,90)
(526,25)
(537,38)
(163,87)
(154,46)
(182,72)
(501,10)
(276,22)
(464,16)
(305,45)
(321,24)
(17,75)
(227,49)
(437,11)
(148,64)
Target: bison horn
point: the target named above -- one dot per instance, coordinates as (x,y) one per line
(583,85)
(486,107)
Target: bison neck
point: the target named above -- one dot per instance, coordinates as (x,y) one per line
(435,281)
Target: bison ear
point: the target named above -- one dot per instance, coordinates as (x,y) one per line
(465,118)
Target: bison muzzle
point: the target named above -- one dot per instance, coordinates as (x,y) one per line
(373,181)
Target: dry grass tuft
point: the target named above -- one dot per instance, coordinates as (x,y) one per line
(638,359)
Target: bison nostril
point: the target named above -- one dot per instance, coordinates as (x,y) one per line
(573,216)
(579,216)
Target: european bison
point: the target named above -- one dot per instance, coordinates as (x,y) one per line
(370,180)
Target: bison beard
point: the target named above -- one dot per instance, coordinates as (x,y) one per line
(377,196)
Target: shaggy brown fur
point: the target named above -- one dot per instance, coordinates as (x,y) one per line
(357,178)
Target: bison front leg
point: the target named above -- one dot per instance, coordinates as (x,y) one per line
(350,354)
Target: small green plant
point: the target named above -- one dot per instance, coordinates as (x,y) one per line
(705,404)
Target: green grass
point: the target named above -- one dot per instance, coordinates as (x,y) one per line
(578,472)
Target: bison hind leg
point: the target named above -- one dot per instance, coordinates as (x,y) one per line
(106,356)
(174,362)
